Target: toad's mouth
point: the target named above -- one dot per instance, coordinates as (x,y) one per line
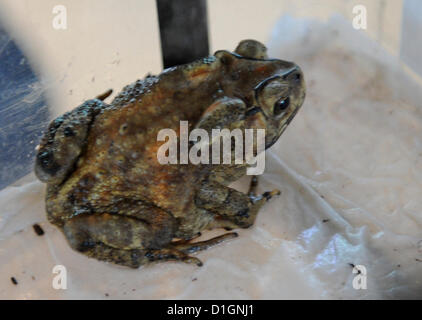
(282,128)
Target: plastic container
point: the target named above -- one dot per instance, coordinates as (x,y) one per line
(348,166)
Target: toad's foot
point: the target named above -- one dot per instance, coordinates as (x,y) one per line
(263,197)
(135,258)
(171,254)
(191,247)
(178,251)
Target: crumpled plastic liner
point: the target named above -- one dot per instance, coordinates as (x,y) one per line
(350,170)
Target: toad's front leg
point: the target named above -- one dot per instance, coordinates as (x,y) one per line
(232,208)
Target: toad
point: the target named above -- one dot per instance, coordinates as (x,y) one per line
(106,189)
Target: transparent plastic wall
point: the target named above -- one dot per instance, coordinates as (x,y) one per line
(348,166)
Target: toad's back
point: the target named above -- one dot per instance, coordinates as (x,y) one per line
(120,158)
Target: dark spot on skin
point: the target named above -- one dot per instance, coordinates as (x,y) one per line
(149,255)
(243,213)
(178,95)
(71,197)
(14,281)
(87,181)
(56,123)
(38,230)
(45,160)
(68,132)
(225,60)
(86,245)
(123,128)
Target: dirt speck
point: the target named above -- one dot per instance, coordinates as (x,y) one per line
(38,230)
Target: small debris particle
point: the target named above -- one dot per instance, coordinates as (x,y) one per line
(398,266)
(133,289)
(33,278)
(38,230)
(14,281)
(194,279)
(418,260)
(106,294)
(325,220)
(322,196)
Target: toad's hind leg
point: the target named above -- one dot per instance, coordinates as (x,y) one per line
(124,240)
(136,257)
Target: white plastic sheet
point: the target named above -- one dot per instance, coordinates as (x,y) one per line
(349,168)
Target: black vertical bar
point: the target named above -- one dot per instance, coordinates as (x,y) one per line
(183,30)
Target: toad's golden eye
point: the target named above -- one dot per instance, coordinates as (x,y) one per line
(281,105)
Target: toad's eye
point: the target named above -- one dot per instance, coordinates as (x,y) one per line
(281,105)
